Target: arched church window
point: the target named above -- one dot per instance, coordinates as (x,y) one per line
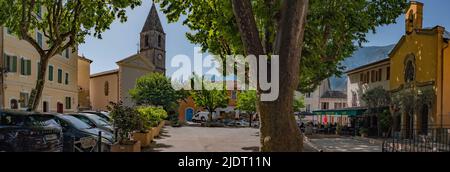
(410,73)
(146,40)
(159,41)
(106,89)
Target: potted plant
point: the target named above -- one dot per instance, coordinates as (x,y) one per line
(155,118)
(126,121)
(144,134)
(363,132)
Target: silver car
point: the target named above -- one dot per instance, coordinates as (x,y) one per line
(95,120)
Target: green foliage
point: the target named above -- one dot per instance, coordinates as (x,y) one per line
(156,89)
(211,97)
(126,119)
(299,103)
(332,29)
(63,19)
(363,131)
(385,121)
(151,116)
(247,101)
(377,98)
(63,24)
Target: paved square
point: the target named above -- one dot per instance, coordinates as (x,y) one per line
(203,139)
(344,144)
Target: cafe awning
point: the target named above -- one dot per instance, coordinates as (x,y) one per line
(353,112)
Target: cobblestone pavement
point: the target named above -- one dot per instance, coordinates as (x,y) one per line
(345,144)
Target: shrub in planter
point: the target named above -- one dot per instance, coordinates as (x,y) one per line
(363,132)
(126,121)
(153,117)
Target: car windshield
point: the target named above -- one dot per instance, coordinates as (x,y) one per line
(99,114)
(76,122)
(39,120)
(99,120)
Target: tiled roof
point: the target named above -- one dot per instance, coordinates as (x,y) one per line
(105,73)
(334,95)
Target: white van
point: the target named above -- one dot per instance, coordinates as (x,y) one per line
(202,117)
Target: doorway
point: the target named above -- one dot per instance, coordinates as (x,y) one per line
(424,120)
(189,114)
(45,106)
(60,108)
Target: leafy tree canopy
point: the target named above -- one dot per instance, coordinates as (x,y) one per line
(247,102)
(333,32)
(156,89)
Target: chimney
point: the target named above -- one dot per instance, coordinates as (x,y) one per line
(414,17)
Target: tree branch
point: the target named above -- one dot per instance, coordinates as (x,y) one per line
(247,26)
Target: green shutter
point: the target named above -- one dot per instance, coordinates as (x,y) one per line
(59,76)
(68,103)
(22,66)
(28,67)
(67,79)
(14,64)
(50,73)
(6,62)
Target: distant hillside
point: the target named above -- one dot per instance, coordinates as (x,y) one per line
(362,56)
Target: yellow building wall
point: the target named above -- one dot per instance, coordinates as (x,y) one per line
(54,92)
(84,71)
(424,47)
(98,98)
(446,97)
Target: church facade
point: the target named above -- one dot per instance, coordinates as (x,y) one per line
(420,75)
(114,85)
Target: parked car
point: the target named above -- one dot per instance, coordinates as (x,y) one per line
(202,117)
(29,132)
(102,114)
(85,135)
(95,121)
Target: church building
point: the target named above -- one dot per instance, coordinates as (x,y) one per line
(114,85)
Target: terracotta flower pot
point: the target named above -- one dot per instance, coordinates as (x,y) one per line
(155,132)
(134,146)
(144,138)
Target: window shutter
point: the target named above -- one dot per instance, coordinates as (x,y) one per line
(50,73)
(6,62)
(22,66)
(14,64)
(59,76)
(67,79)
(28,67)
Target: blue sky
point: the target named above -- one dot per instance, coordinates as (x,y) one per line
(121,40)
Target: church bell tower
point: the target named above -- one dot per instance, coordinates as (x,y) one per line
(153,41)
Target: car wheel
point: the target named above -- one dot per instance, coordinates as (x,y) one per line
(203,119)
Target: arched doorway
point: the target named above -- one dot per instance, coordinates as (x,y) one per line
(424,120)
(59,108)
(14,104)
(45,106)
(189,113)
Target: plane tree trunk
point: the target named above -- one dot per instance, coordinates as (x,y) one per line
(278,129)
